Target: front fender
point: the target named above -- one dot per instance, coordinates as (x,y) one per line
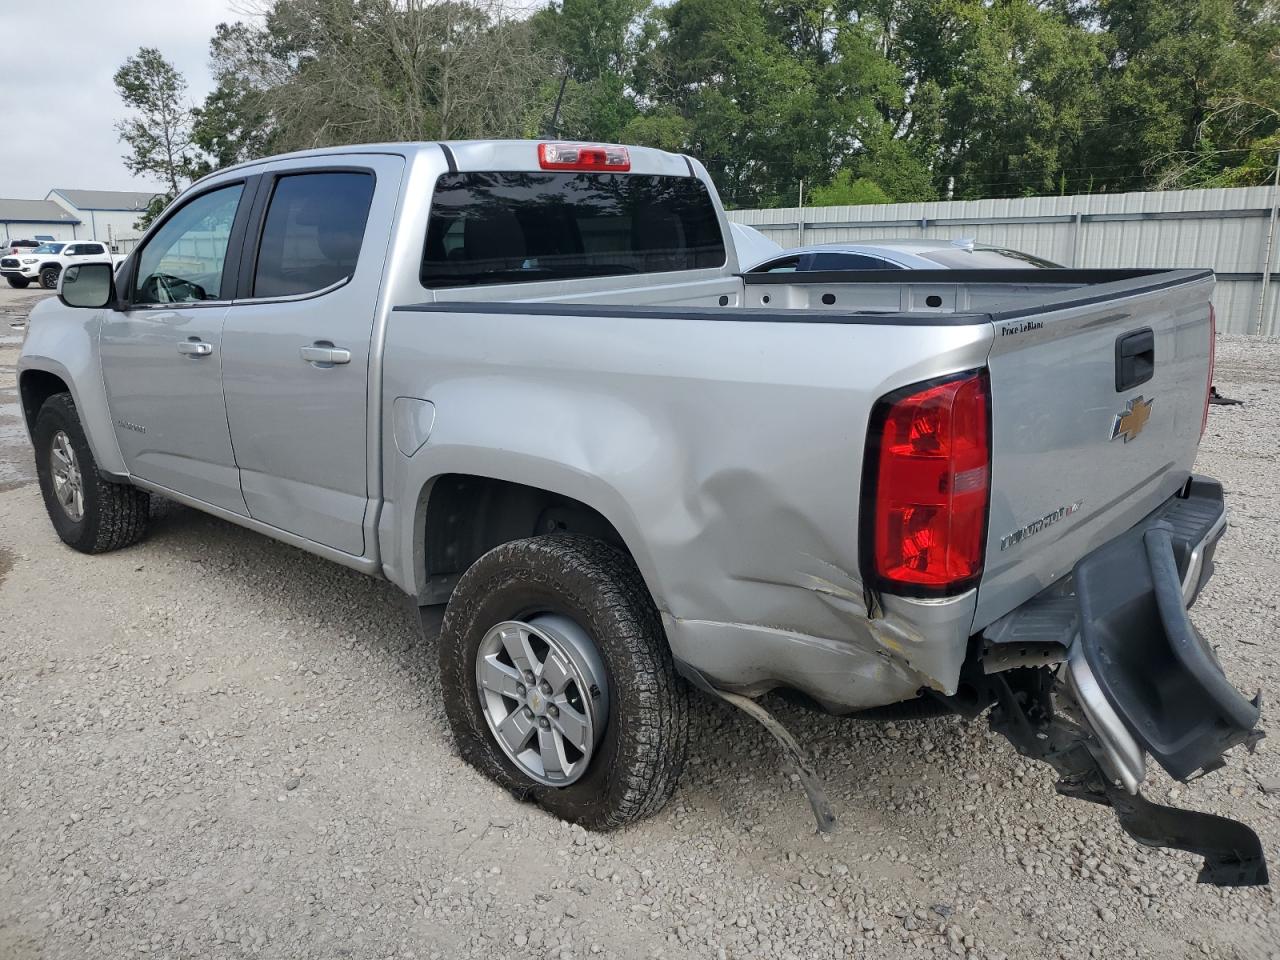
(63,341)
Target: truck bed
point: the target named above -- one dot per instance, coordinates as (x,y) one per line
(726,443)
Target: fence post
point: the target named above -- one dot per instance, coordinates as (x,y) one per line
(1271,239)
(1076,220)
(800,219)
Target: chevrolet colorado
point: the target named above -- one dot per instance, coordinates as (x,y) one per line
(528,380)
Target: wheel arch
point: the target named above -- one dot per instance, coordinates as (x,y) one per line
(40,377)
(34,388)
(461,516)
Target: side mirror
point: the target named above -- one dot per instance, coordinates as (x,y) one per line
(88,285)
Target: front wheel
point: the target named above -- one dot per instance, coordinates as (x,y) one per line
(89,511)
(49,278)
(18,282)
(559,683)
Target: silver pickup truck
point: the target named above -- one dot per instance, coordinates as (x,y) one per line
(528,380)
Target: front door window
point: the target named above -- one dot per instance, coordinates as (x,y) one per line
(185,261)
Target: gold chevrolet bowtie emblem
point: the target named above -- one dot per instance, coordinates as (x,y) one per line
(1130,423)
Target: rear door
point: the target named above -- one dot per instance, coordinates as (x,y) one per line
(296,344)
(1097,399)
(84,253)
(161,356)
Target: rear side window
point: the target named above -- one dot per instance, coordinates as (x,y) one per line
(312,234)
(850,261)
(524,227)
(785,265)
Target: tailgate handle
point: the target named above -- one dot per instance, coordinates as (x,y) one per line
(1135,359)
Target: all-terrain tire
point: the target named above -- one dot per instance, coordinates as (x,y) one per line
(637,764)
(114,514)
(49,277)
(19,283)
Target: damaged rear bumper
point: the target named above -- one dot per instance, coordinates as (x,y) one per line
(1135,680)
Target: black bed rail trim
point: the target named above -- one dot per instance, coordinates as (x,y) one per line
(1148,282)
(724,314)
(1021,277)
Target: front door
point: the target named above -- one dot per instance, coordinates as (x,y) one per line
(296,346)
(161,356)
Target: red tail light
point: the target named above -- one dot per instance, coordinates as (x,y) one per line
(928,482)
(583,156)
(1213,350)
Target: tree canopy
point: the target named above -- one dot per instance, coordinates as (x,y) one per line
(158,131)
(861,100)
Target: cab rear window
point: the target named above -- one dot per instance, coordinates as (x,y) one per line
(489,228)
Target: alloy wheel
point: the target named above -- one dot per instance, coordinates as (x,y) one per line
(544,694)
(68,484)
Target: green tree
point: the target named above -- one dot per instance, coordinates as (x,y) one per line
(750,108)
(903,100)
(233,124)
(321,72)
(1192,91)
(159,132)
(589,41)
(846,190)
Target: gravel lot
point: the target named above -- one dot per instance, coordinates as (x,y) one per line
(214,745)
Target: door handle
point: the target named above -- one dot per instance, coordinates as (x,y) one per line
(324,353)
(1135,358)
(195,348)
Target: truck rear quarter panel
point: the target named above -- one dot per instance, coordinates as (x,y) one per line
(728,459)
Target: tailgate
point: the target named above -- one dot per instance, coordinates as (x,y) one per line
(1097,401)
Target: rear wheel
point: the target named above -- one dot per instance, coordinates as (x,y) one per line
(19,282)
(49,277)
(90,511)
(558,680)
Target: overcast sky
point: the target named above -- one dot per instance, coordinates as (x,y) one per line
(58,106)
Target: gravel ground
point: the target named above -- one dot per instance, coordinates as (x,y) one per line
(16,468)
(214,745)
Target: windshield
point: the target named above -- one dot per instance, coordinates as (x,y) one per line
(49,248)
(524,227)
(986,258)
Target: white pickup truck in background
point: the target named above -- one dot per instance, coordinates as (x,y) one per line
(45,263)
(529,381)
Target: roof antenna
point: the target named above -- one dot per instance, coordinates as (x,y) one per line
(555,112)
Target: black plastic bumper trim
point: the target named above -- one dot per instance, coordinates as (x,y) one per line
(1152,665)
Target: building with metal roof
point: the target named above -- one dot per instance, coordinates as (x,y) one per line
(37,219)
(107,215)
(114,200)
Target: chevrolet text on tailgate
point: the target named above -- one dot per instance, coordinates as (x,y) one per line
(527,380)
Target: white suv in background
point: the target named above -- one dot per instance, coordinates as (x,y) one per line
(44,264)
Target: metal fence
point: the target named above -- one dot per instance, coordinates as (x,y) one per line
(1230,230)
